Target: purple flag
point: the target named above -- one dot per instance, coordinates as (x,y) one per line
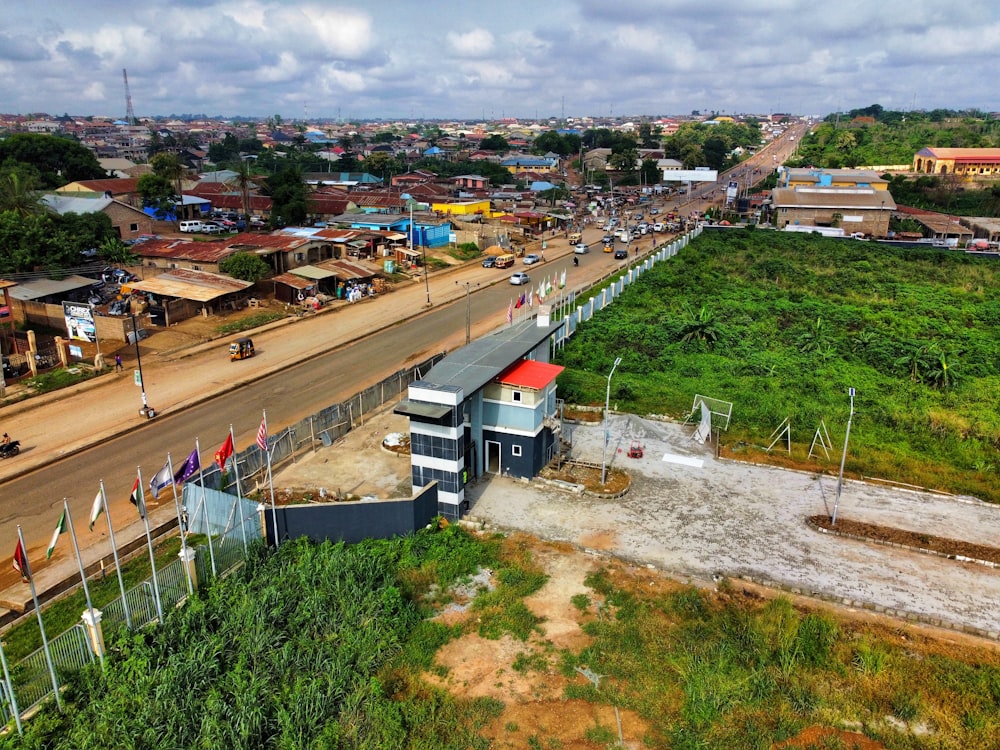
(190,467)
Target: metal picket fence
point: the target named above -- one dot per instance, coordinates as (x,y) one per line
(70,650)
(230,520)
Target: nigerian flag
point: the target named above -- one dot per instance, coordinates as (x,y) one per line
(60,529)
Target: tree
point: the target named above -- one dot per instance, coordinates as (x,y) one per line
(18,192)
(382,164)
(495,143)
(245,266)
(159,194)
(117,253)
(56,159)
(169,166)
(289,195)
(244,182)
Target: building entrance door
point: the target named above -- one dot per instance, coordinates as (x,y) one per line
(492,457)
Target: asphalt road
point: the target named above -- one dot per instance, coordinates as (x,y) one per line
(299,368)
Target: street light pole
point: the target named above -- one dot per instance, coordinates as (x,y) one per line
(146,411)
(468,308)
(843,458)
(607,405)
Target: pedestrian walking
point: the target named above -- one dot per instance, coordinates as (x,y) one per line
(118,363)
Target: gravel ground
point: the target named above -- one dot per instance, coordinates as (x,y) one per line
(732,519)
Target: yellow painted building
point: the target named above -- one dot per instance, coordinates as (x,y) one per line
(967,162)
(462,208)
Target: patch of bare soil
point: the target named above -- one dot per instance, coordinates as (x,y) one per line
(826,737)
(617,481)
(534,705)
(954,548)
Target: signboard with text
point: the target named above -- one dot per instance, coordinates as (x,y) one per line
(690,175)
(79,321)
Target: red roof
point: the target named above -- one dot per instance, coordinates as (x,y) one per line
(530,374)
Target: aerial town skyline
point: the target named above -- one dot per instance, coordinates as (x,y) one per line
(447,60)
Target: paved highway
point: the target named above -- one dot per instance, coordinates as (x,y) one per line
(299,368)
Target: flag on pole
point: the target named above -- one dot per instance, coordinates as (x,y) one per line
(548,287)
(225,452)
(562,279)
(96,509)
(162,478)
(520,301)
(137,499)
(21,562)
(531,296)
(262,434)
(190,467)
(60,529)
(510,312)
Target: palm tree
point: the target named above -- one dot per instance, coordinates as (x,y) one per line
(244,182)
(18,195)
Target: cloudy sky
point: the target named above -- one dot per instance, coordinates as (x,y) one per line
(470,59)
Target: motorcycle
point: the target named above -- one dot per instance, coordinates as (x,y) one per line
(7,450)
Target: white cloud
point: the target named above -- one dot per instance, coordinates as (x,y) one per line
(475,43)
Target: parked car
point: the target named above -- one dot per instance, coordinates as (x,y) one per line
(531,258)
(654,211)
(581,248)
(490,261)
(210,227)
(519,277)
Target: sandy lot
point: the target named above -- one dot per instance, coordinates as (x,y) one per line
(722,518)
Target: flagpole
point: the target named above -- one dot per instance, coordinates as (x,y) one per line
(83,578)
(270,483)
(10,690)
(180,521)
(144,512)
(239,489)
(114,551)
(208,528)
(41,625)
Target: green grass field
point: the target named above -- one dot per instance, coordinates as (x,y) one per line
(782,325)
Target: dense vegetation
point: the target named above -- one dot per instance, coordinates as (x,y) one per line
(782,325)
(873,136)
(722,671)
(329,646)
(303,648)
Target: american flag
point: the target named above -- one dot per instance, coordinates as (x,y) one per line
(262,433)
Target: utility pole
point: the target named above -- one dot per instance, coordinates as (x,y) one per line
(607,405)
(843,458)
(468,308)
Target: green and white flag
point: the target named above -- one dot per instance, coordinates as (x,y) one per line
(96,509)
(60,529)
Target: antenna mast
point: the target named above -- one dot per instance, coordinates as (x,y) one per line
(129,112)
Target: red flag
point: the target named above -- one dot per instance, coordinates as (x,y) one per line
(137,499)
(225,452)
(262,434)
(520,301)
(21,562)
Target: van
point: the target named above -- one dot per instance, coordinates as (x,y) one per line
(191,226)
(575,238)
(505,261)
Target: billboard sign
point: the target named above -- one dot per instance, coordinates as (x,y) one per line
(690,175)
(79,321)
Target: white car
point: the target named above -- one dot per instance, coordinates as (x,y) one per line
(519,277)
(581,248)
(531,258)
(210,228)
(658,226)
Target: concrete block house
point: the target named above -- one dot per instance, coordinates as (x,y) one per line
(487,408)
